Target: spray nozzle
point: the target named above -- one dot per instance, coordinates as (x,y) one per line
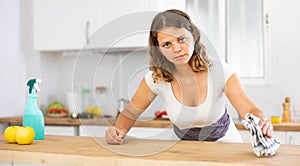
(34,84)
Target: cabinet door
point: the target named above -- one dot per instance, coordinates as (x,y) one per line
(293,138)
(119,24)
(170,4)
(61,24)
(106,11)
(136,132)
(152,133)
(74,24)
(92,131)
(279,135)
(60,130)
(245,136)
(123,24)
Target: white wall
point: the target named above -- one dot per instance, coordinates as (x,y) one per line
(12,64)
(90,70)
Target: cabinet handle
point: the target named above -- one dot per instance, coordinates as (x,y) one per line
(291,140)
(87,28)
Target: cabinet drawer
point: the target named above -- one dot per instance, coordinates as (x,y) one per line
(279,135)
(60,130)
(293,138)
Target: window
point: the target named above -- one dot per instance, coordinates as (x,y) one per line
(238,29)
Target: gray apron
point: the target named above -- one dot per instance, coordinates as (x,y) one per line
(207,133)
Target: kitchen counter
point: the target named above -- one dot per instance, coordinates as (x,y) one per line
(72,150)
(160,123)
(284,126)
(18,120)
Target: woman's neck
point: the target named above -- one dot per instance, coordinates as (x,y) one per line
(184,71)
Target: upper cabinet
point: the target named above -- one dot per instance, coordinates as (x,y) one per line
(95,24)
(61,24)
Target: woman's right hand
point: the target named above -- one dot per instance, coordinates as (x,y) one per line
(114,135)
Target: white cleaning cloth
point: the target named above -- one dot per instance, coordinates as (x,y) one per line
(262,145)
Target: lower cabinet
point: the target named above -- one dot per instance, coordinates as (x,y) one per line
(136,132)
(245,136)
(280,136)
(285,137)
(60,130)
(152,133)
(293,137)
(92,131)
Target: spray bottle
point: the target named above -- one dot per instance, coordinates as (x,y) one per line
(33,116)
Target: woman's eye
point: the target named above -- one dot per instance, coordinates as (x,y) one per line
(181,40)
(166,45)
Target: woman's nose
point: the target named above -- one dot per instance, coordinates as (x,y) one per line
(176,48)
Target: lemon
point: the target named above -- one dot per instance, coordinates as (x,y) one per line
(89,109)
(97,111)
(25,135)
(10,134)
(275,119)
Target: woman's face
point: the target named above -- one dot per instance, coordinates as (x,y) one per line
(176,44)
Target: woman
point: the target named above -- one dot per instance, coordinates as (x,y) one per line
(192,86)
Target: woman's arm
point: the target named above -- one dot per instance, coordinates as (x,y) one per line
(139,102)
(243,104)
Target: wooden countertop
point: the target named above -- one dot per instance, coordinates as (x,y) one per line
(284,126)
(93,151)
(291,126)
(98,122)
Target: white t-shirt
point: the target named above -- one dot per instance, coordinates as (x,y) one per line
(186,116)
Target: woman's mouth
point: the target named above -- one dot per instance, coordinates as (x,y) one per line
(180,56)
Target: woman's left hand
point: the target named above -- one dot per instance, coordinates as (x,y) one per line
(266,127)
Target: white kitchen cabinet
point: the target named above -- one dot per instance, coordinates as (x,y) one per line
(78,24)
(135,132)
(92,131)
(279,135)
(293,137)
(5,163)
(152,133)
(120,24)
(245,136)
(61,24)
(60,130)
(124,24)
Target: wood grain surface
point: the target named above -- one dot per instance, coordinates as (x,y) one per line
(93,151)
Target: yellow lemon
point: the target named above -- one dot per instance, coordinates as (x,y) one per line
(275,119)
(97,111)
(89,110)
(25,135)
(10,134)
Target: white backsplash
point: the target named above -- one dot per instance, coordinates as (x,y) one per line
(119,72)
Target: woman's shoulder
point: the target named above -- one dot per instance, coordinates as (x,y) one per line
(150,81)
(148,76)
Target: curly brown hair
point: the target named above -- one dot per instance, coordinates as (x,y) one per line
(161,67)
